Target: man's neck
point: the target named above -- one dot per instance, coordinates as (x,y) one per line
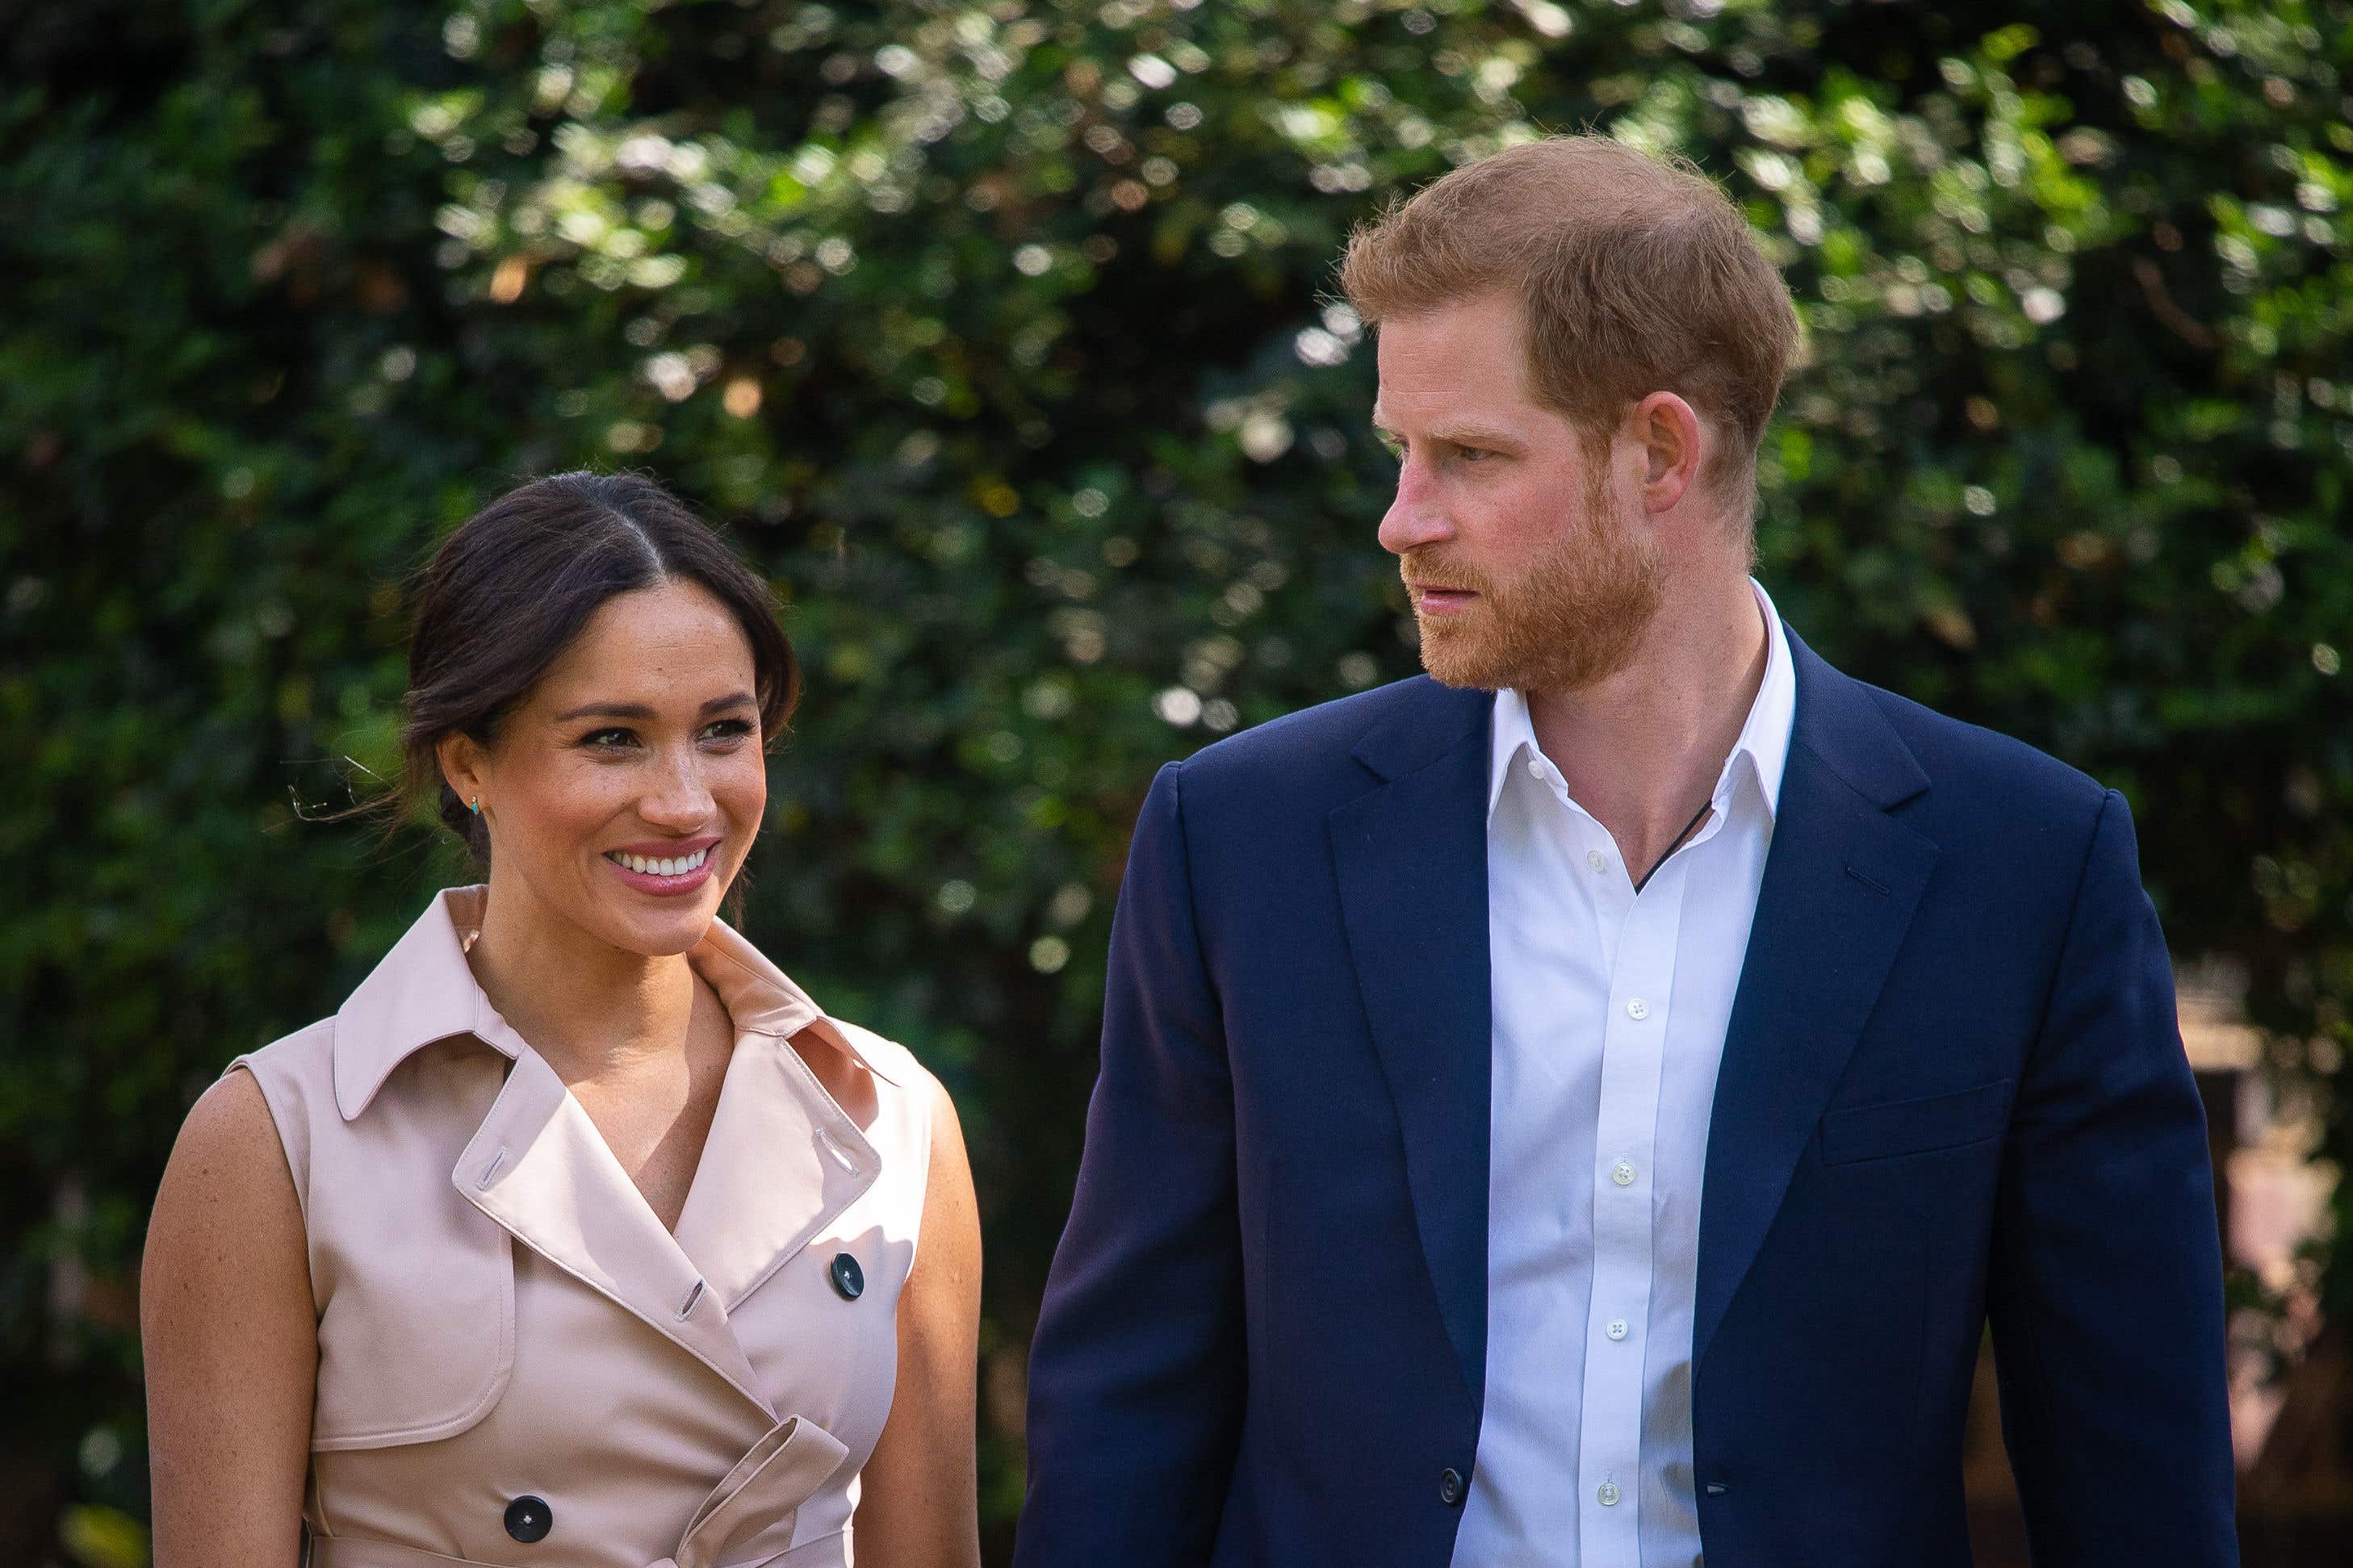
(1643,749)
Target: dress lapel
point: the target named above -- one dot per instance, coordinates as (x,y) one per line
(782,1162)
(782,1159)
(538,1167)
(1840,883)
(1411,858)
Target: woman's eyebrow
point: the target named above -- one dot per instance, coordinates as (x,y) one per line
(639,711)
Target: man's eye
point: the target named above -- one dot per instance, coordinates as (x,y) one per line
(1473,454)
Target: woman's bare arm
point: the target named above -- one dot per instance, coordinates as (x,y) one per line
(232,1343)
(919,1497)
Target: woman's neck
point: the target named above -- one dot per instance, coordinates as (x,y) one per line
(588,1007)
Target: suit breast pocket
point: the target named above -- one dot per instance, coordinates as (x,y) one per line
(1861,1132)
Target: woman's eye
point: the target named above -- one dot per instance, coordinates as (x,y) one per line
(617,739)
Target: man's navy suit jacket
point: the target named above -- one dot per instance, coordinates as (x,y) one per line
(1952,1089)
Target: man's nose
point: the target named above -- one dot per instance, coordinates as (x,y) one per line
(1417,516)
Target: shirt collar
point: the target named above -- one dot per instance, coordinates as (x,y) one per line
(1764,740)
(423,991)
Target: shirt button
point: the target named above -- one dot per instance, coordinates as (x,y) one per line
(848,1280)
(1622,1173)
(1597,859)
(1616,1330)
(1638,1009)
(1608,1495)
(1536,769)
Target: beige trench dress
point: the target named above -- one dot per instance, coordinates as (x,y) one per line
(517,1362)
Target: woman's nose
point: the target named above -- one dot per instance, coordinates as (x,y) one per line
(681,799)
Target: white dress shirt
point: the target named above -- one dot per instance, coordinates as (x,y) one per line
(1610,1014)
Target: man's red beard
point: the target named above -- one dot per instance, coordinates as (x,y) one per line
(1571,617)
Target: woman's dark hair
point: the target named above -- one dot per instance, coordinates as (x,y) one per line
(508,592)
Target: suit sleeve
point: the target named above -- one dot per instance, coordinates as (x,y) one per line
(1136,1372)
(2106,1282)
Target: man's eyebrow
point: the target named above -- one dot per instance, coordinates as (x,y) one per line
(640,713)
(1475,436)
(1458,434)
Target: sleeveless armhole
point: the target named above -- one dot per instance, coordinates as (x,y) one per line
(918,1094)
(283,1096)
(279,1070)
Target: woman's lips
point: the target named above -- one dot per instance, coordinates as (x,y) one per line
(670,886)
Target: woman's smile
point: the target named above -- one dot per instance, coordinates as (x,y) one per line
(665,868)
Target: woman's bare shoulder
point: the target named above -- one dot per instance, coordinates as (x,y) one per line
(230,1332)
(228,1202)
(229,1135)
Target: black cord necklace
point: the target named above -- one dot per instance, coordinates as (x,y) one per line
(1689,828)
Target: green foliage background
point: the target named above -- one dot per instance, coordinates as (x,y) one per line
(1000,328)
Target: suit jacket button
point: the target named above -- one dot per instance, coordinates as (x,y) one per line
(1451,1488)
(848,1277)
(530,1519)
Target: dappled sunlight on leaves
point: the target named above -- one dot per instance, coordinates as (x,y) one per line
(1001,332)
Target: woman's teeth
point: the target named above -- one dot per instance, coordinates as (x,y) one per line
(678,867)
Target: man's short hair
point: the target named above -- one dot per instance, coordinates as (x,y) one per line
(1636,274)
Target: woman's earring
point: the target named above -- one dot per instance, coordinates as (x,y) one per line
(476,807)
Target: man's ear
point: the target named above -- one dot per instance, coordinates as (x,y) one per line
(1674,447)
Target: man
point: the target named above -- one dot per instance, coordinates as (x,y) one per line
(1584,1108)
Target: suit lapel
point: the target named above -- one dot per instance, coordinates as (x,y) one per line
(1840,883)
(1411,859)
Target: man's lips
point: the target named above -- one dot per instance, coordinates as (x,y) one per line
(1430,599)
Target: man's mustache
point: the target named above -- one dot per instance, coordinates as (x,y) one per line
(1434,572)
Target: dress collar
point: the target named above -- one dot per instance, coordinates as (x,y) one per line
(423,991)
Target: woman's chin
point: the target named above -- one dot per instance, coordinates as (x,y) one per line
(660,936)
(657,927)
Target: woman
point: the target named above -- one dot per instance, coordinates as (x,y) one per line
(580,1235)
